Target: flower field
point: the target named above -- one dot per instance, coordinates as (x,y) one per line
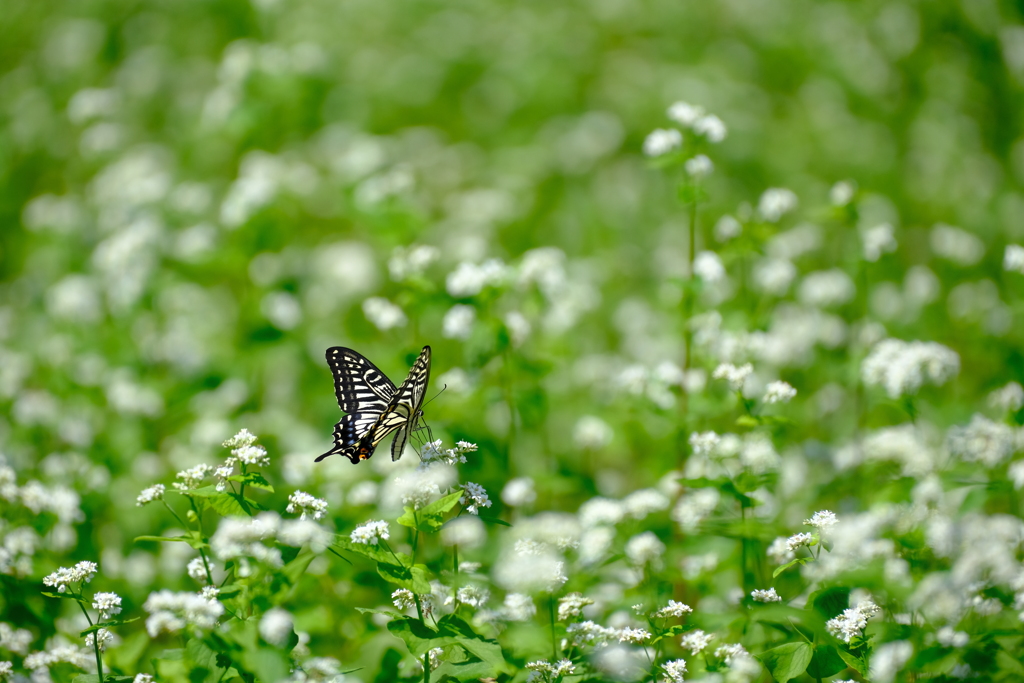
(698,330)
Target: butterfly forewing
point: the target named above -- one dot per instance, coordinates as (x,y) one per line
(358,384)
(376,409)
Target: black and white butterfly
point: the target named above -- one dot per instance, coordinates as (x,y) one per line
(375,407)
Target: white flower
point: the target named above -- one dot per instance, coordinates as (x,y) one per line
(731,651)
(474,596)
(826,288)
(474,497)
(1013,258)
(761,595)
(171,612)
(699,166)
(902,367)
(673,609)
(708,267)
(519,607)
(197,569)
(634,635)
(469,279)
(108,604)
(592,433)
(674,671)
(406,262)
(779,392)
(850,624)
(641,503)
(822,519)
(100,638)
(465,532)
(662,141)
(704,443)
(1009,398)
(276,626)
(154,492)
(192,478)
(403,598)
(243,438)
(956,245)
(81,572)
(983,440)
(775,202)
(711,127)
(237,537)
(799,540)
(685,114)
(518,492)
(842,192)
(306,504)
(383,314)
(6,668)
(572,605)
(774,275)
(878,240)
(458,321)
(888,659)
(143,678)
(695,641)
(694,506)
(735,376)
(371,533)
(727,228)
(644,548)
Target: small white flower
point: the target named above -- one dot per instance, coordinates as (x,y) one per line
(592,433)
(673,609)
(102,638)
(704,443)
(108,604)
(634,635)
(519,607)
(799,540)
(779,392)
(735,376)
(371,533)
(842,192)
(383,314)
(1013,258)
(731,651)
(699,166)
(518,492)
(878,240)
(1009,398)
(674,671)
(822,519)
(572,605)
(662,141)
(474,497)
(711,127)
(685,114)
(304,503)
(458,321)
(695,641)
(143,678)
(644,548)
(197,569)
(154,492)
(776,202)
(276,626)
(708,267)
(64,576)
(768,595)
(850,624)
(403,598)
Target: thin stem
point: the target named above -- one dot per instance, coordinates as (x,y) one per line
(241,492)
(388,548)
(554,638)
(95,640)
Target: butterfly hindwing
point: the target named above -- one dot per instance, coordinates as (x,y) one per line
(358,384)
(375,408)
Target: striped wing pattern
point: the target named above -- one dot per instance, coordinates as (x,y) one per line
(375,408)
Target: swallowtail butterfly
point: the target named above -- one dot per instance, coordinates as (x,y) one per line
(375,407)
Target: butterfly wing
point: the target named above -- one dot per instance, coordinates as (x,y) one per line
(408,402)
(348,436)
(358,384)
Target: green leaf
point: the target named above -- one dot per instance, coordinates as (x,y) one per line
(192,538)
(788,661)
(65,596)
(830,602)
(451,630)
(105,624)
(389,666)
(266,664)
(747,421)
(415,578)
(825,662)
(253,479)
(493,520)
(294,570)
(470,671)
(429,518)
(673,631)
(374,552)
(230,504)
(791,563)
(386,612)
(858,664)
(202,658)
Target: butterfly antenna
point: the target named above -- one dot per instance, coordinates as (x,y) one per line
(436,395)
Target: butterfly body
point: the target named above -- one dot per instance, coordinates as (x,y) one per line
(375,407)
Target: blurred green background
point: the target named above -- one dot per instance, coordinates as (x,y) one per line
(197,197)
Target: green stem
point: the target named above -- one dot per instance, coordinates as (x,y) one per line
(388,548)
(241,493)
(95,640)
(688,297)
(554,638)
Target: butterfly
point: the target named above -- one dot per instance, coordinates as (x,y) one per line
(375,407)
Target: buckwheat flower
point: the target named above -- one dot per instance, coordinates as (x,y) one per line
(779,392)
(799,540)
(192,478)
(243,438)
(851,623)
(469,279)
(674,670)
(822,520)
(956,245)
(108,604)
(474,497)
(696,641)
(154,492)
(661,141)
(197,569)
(699,167)
(403,598)
(383,314)
(685,114)
(518,492)
(888,659)
(101,638)
(222,473)
(644,548)
(641,503)
(877,241)
(371,533)
(64,576)
(592,433)
(143,678)
(304,503)
(571,606)
(901,367)
(171,612)
(458,322)
(711,127)
(727,228)
(209,592)
(16,640)
(474,596)
(417,488)
(708,267)
(673,609)
(694,506)
(598,511)
(704,443)
(983,440)
(825,288)
(1013,258)
(252,455)
(412,261)
(735,376)
(842,192)
(519,607)
(244,538)
(947,636)
(731,651)
(761,595)
(776,202)
(6,669)
(589,633)
(465,532)
(633,635)
(275,626)
(1009,398)
(774,275)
